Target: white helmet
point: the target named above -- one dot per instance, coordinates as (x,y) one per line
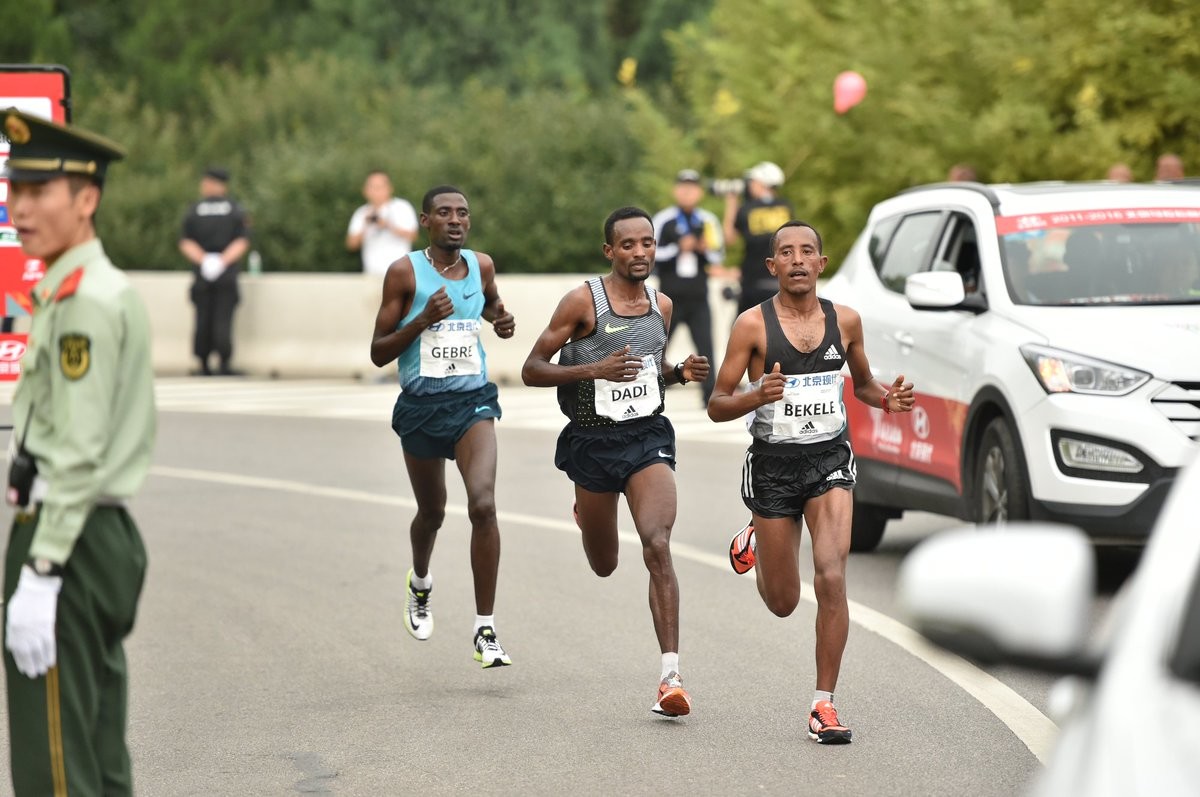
(767,173)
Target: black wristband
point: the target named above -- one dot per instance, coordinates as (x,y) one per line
(679,377)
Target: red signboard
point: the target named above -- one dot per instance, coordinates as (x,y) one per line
(44,91)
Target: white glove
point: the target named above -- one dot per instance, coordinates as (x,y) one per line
(211,266)
(32,612)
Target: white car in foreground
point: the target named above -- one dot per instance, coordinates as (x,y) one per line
(1052,331)
(1022,595)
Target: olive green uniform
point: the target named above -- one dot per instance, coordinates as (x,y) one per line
(87,394)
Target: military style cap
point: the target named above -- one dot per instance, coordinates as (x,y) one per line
(42,150)
(688,176)
(217,173)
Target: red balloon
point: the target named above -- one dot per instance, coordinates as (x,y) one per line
(849,89)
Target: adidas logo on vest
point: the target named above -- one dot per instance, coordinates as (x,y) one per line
(832,353)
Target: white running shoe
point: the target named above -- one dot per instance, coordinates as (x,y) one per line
(488,651)
(418,619)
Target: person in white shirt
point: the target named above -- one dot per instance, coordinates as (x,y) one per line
(384,228)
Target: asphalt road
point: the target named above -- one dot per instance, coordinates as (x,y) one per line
(270,656)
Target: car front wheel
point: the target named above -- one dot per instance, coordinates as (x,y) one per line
(866,527)
(1000,494)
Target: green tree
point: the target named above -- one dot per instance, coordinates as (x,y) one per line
(542,169)
(1023,91)
(35,35)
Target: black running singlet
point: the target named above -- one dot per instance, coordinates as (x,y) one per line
(811,410)
(599,402)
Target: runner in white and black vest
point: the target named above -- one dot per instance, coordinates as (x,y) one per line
(800,467)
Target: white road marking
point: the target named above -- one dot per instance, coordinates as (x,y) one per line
(343,399)
(1033,728)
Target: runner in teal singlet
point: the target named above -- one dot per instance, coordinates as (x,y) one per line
(430,319)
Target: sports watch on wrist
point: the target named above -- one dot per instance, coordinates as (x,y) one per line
(679,377)
(44,567)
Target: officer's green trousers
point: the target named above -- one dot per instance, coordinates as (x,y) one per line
(67,729)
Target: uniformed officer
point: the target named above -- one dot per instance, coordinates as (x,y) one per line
(83,427)
(215,237)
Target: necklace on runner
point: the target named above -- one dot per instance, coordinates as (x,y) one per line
(429,257)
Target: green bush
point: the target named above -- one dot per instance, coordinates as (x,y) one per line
(541,169)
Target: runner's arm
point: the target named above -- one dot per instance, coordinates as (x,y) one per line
(399,286)
(727,403)
(695,368)
(573,318)
(493,306)
(867,388)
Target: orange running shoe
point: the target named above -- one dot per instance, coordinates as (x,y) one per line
(823,725)
(673,699)
(741,550)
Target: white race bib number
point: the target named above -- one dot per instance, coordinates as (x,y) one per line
(624,401)
(811,407)
(451,348)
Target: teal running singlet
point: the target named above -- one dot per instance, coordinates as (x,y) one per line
(448,357)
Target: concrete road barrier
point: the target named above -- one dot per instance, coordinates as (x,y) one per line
(305,325)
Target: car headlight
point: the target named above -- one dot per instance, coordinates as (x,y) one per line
(1064,372)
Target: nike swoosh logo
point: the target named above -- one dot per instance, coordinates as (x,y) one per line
(661,454)
(469,295)
(611,329)
(481,409)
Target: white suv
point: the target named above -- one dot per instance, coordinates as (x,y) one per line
(1052,331)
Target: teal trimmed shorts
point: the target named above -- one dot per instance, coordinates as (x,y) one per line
(431,426)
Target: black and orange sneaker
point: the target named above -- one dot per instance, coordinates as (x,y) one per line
(823,725)
(741,550)
(673,699)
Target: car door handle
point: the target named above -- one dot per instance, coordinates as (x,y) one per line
(903,338)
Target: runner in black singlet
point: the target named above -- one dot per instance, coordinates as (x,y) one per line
(799,466)
(611,335)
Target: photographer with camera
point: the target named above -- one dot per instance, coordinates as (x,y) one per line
(384,228)
(689,244)
(754,222)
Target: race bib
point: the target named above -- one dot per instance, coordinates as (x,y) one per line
(624,401)
(811,408)
(451,348)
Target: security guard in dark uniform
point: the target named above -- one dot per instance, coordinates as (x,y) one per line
(83,435)
(215,237)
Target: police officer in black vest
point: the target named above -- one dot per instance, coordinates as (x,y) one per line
(215,237)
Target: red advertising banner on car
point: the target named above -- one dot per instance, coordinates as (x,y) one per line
(1009,225)
(44,91)
(927,440)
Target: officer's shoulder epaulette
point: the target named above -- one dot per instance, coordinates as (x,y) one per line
(69,285)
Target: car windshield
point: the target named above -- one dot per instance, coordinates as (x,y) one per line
(1129,257)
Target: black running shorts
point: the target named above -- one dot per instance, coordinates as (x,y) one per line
(777,486)
(430,426)
(602,459)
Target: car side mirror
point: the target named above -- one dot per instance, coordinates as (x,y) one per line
(934,290)
(941,290)
(1017,595)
